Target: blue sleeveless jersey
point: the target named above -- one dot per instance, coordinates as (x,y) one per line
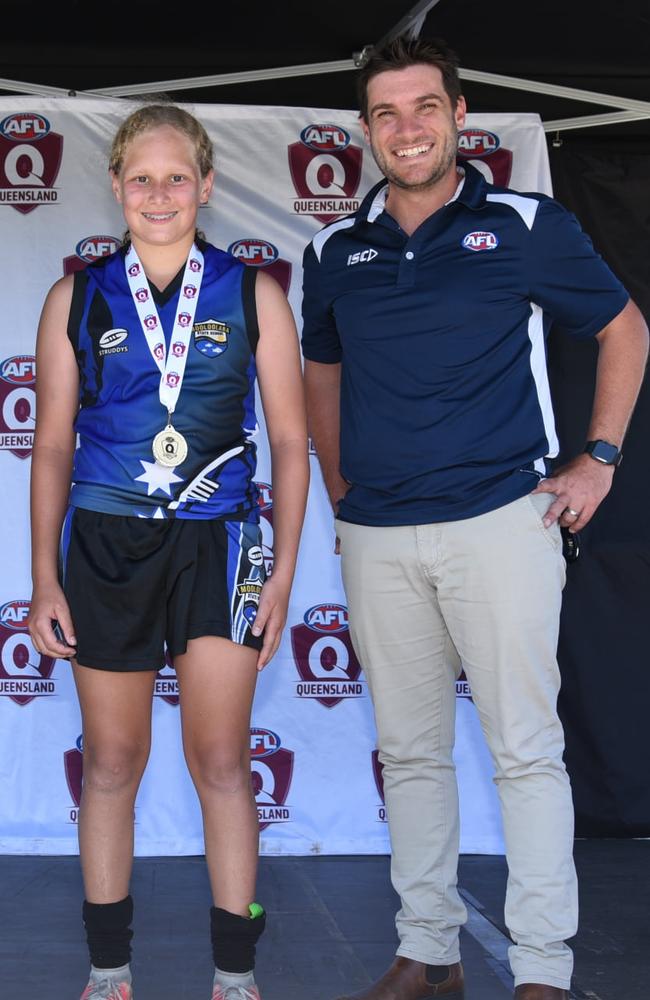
(120,411)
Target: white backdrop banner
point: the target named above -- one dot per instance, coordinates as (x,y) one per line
(281,174)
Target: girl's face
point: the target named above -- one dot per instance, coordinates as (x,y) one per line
(160,187)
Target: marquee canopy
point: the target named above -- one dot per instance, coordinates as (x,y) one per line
(578,64)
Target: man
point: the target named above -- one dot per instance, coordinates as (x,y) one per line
(432,353)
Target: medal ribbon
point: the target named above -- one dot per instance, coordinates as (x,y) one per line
(171,363)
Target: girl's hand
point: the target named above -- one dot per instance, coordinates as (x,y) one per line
(271,617)
(49,607)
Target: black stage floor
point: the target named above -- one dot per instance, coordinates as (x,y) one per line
(330,926)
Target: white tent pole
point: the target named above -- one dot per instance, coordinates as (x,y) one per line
(589,121)
(554,90)
(223,79)
(410,24)
(346,65)
(629,110)
(40,89)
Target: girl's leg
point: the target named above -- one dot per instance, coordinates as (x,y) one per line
(116,714)
(216,681)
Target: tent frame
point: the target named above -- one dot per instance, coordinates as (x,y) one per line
(627,109)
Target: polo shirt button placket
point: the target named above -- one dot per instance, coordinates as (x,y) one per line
(407,269)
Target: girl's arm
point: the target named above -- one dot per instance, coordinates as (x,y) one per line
(281,389)
(57,383)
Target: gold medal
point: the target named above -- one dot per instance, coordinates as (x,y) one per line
(169,447)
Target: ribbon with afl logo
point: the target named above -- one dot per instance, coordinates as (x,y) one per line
(281,173)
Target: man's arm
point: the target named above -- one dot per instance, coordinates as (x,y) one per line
(323,389)
(582,484)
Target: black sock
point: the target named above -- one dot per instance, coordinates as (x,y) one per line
(108,932)
(234,939)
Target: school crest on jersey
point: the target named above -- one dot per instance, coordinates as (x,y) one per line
(211,337)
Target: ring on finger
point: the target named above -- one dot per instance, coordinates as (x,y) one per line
(572,512)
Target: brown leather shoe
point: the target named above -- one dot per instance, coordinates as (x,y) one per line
(410,980)
(535,991)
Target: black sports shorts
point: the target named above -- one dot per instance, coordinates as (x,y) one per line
(134,584)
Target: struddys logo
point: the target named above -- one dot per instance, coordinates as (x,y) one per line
(73,764)
(265,501)
(485,149)
(463,689)
(261,253)
(166,682)
(378,774)
(24,673)
(30,158)
(87,250)
(326,171)
(324,657)
(272,770)
(17,404)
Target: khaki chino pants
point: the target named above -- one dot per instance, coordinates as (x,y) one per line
(490,585)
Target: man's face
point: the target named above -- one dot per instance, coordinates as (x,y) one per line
(412,128)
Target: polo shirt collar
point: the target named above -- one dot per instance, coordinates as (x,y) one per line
(471,192)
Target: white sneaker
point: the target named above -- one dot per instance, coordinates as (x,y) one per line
(114,985)
(233,986)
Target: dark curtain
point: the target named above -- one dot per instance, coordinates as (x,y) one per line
(604,649)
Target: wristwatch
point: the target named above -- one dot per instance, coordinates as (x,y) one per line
(603,451)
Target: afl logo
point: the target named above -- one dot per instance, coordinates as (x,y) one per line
(259,253)
(24,127)
(473,142)
(264,742)
(19,370)
(17,404)
(264,496)
(24,673)
(113,337)
(327,618)
(91,248)
(325,138)
(73,764)
(480,241)
(14,615)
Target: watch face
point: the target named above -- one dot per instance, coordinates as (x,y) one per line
(602,451)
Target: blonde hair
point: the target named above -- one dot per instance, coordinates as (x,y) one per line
(152,116)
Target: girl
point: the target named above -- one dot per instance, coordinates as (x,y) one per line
(150,357)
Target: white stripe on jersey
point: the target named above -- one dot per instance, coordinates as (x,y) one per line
(320,239)
(378,204)
(540,375)
(524,207)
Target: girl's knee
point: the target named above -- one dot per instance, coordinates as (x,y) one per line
(220,769)
(113,768)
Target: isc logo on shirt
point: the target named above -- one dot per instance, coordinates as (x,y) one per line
(480,241)
(362,256)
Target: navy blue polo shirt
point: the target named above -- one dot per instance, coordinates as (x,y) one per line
(445,402)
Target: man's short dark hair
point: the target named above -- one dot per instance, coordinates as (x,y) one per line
(410,52)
